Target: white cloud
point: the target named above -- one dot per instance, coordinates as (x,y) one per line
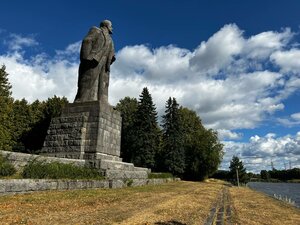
(219,51)
(262,45)
(296,116)
(259,152)
(292,120)
(17,42)
(288,61)
(39,77)
(227,134)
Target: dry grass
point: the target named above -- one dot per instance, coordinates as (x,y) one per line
(256,208)
(171,203)
(181,202)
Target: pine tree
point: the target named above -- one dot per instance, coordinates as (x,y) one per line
(128,107)
(237,170)
(6,104)
(173,139)
(41,115)
(147,138)
(22,123)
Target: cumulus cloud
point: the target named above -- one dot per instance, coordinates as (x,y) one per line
(261,46)
(260,152)
(292,120)
(287,60)
(219,51)
(17,42)
(38,77)
(227,134)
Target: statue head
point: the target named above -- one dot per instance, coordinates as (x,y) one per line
(107,24)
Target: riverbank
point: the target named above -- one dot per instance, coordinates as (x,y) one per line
(171,203)
(254,207)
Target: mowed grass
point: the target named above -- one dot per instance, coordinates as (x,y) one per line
(181,202)
(171,203)
(253,208)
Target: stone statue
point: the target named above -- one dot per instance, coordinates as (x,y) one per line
(96,56)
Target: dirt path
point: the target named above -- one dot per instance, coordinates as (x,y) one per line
(222,212)
(173,203)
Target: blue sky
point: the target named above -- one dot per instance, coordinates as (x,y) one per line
(234,62)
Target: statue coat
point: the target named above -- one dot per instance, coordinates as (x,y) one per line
(96,56)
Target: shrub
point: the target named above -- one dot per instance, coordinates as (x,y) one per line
(160,175)
(55,170)
(6,168)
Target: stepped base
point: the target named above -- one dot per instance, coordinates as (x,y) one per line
(113,169)
(91,131)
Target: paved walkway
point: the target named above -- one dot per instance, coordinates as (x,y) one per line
(221,213)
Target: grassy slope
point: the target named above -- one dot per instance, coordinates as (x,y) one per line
(253,207)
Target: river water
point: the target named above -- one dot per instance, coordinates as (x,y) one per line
(290,190)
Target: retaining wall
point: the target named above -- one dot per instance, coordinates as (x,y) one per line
(14,186)
(19,160)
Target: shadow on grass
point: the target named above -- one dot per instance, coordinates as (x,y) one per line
(171,222)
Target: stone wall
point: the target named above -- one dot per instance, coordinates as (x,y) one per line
(83,130)
(14,186)
(19,160)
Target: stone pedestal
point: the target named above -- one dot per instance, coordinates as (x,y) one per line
(84,131)
(91,131)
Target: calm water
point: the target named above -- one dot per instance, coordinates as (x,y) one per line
(291,190)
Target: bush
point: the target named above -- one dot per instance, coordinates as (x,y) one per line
(55,170)
(6,168)
(159,175)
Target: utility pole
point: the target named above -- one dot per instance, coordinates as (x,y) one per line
(237,176)
(284,166)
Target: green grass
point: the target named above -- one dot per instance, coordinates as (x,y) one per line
(6,168)
(55,170)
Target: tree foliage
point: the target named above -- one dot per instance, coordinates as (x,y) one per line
(173,148)
(41,114)
(23,126)
(203,151)
(6,109)
(237,170)
(128,108)
(282,175)
(146,142)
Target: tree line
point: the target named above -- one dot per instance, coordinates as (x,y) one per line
(23,126)
(180,145)
(237,170)
(282,175)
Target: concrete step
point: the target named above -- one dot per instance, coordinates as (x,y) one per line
(125,174)
(115,165)
(101,156)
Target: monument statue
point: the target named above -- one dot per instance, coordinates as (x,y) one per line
(90,129)
(96,56)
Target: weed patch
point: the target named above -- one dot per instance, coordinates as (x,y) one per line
(6,168)
(55,170)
